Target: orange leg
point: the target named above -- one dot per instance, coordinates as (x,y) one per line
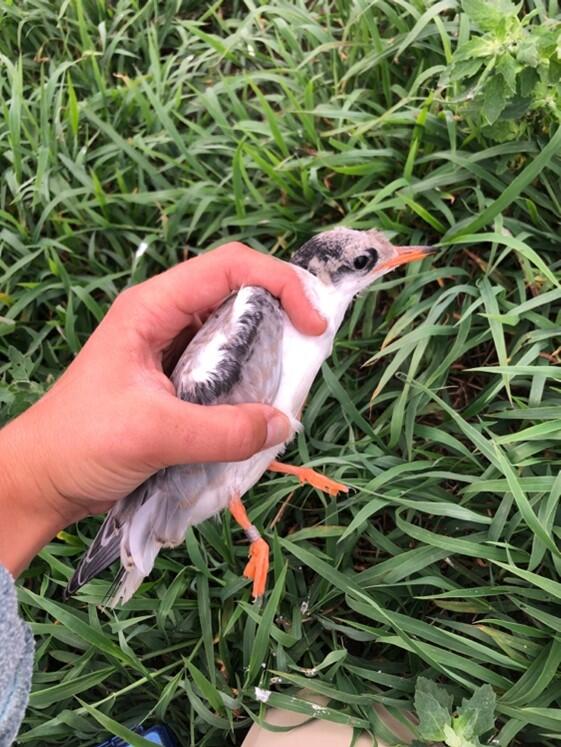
(258,565)
(308,476)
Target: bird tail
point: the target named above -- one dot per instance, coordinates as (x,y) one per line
(159,521)
(106,546)
(135,530)
(123,587)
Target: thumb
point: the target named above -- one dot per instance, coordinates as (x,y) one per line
(218,433)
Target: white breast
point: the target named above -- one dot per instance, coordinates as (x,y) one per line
(303,355)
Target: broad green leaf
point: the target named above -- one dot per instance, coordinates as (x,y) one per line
(476,715)
(488,14)
(494,98)
(507,67)
(433,706)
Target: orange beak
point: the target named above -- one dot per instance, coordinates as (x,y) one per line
(405,255)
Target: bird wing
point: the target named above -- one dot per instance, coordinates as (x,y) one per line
(235,357)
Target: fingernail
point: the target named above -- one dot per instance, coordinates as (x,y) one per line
(278,429)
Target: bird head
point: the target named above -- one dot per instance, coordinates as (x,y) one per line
(351,260)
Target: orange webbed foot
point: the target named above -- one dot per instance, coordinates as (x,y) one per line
(258,566)
(309,476)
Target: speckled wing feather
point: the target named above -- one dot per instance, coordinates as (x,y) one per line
(234,358)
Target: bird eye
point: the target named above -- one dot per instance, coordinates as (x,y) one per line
(362,261)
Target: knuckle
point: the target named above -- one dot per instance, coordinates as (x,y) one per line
(233,246)
(125,299)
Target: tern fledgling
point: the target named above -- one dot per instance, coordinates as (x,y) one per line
(247,351)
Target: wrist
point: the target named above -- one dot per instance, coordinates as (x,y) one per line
(31,509)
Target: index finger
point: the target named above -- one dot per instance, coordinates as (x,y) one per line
(172,297)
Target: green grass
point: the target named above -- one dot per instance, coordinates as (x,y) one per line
(182,126)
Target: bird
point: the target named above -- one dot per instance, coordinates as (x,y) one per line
(246,351)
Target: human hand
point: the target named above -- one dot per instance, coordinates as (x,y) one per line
(112,419)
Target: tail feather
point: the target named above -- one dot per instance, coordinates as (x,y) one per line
(106,545)
(126,583)
(110,599)
(135,530)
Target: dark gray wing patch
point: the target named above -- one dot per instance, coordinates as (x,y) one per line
(257,324)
